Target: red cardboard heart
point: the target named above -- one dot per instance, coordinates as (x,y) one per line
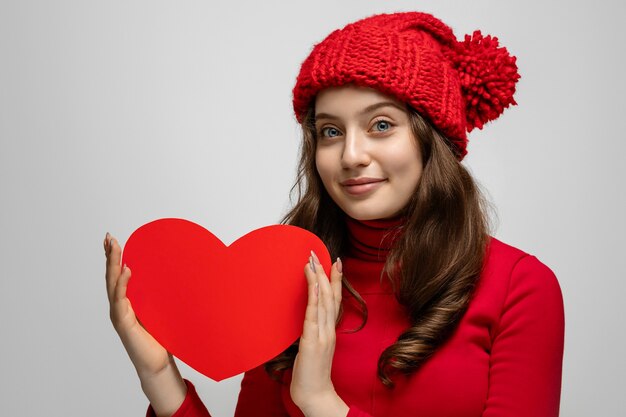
(220,309)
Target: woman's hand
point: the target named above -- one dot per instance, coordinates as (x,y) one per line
(160,378)
(148,356)
(311,387)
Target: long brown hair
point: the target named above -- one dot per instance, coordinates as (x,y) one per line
(438,256)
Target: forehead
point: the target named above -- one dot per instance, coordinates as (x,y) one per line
(348,100)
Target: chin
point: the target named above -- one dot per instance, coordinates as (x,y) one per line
(369,213)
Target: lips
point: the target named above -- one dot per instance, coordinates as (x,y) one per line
(359,186)
(360,181)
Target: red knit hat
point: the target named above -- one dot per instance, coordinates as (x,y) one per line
(415,57)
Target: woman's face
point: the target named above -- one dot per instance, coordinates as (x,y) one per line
(366,154)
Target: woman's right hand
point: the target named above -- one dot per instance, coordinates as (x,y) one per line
(148,356)
(160,379)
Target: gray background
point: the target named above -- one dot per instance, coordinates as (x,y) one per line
(115,113)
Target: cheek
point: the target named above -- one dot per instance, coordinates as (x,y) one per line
(403,160)
(323,165)
(407,167)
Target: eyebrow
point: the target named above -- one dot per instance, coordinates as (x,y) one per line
(366,110)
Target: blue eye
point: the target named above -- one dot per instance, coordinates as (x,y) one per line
(382,125)
(331,132)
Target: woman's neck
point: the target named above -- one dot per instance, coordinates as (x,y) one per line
(372,240)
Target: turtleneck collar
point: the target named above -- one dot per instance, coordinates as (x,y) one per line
(371,240)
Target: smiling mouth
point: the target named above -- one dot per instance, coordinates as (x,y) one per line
(362,187)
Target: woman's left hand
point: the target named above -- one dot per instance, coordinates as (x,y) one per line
(311,387)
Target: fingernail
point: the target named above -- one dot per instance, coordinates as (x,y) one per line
(311,264)
(317,261)
(339,265)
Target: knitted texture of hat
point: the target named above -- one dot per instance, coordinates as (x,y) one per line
(413,56)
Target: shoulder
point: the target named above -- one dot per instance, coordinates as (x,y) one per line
(502,255)
(512,274)
(527,296)
(505,257)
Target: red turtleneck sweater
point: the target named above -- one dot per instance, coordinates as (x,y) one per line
(503,360)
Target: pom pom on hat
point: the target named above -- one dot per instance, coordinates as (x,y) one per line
(488,75)
(456,85)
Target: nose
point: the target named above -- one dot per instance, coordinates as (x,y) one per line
(355,152)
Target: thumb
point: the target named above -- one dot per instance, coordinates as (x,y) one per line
(122,283)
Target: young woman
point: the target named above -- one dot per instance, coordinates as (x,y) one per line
(425,314)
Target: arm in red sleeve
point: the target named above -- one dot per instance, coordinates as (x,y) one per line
(192,405)
(527,350)
(259,396)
